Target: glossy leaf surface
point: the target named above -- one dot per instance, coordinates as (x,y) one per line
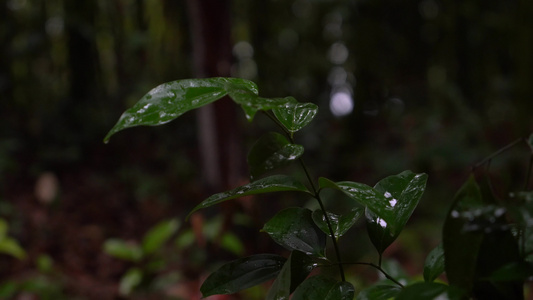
(276,183)
(170,100)
(270,152)
(250,102)
(461,247)
(294,115)
(158,235)
(339,223)
(429,290)
(379,292)
(434,265)
(363,194)
(294,271)
(294,229)
(321,287)
(242,273)
(402,193)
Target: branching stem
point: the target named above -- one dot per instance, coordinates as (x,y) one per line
(316,194)
(380,269)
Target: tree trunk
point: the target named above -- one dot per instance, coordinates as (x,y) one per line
(220,140)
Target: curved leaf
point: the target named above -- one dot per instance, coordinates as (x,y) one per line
(339,223)
(461,247)
(242,273)
(250,102)
(434,265)
(402,193)
(363,194)
(379,292)
(294,271)
(294,115)
(321,287)
(430,290)
(170,100)
(276,183)
(294,229)
(270,152)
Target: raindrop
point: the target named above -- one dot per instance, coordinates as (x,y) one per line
(382,223)
(388,195)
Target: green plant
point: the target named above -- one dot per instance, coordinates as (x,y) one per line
(386,208)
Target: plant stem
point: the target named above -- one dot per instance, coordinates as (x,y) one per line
(500,151)
(326,217)
(528,176)
(380,269)
(316,195)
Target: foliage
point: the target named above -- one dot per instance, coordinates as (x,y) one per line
(481,252)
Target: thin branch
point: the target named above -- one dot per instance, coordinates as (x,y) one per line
(500,151)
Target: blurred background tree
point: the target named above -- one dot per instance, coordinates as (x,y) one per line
(427,85)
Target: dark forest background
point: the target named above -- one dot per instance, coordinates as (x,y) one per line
(428,85)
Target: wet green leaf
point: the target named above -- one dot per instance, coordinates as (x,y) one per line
(362,194)
(276,183)
(379,292)
(170,100)
(129,281)
(430,290)
(250,102)
(123,250)
(242,273)
(321,287)
(270,152)
(294,272)
(294,229)
(434,265)
(402,193)
(294,115)
(461,247)
(339,223)
(158,235)
(513,272)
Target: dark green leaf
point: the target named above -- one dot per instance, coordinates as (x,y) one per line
(321,287)
(270,152)
(170,100)
(294,271)
(242,273)
(158,235)
(402,193)
(430,290)
(513,272)
(434,265)
(250,102)
(379,292)
(339,223)
(461,247)
(276,183)
(363,194)
(294,115)
(294,229)
(123,250)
